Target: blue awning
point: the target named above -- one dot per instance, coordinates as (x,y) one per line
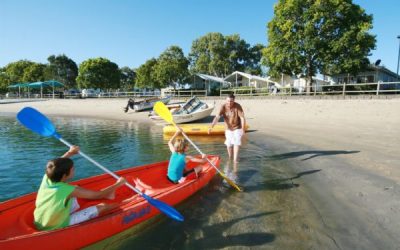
(36,84)
(19,85)
(53,83)
(50,83)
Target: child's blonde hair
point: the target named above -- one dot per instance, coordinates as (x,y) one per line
(180,144)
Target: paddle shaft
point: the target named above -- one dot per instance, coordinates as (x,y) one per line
(198,150)
(100,166)
(212,164)
(39,123)
(165,113)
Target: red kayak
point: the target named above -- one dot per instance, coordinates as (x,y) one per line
(18,232)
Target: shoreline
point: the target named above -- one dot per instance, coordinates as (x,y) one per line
(343,154)
(371,126)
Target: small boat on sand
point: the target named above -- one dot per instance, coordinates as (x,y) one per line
(17,230)
(194,109)
(145,104)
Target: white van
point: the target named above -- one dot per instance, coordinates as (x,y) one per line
(90,93)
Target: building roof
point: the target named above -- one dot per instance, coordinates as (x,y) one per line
(212,78)
(370,68)
(382,69)
(251,77)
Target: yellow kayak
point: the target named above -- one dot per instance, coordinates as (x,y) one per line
(198,129)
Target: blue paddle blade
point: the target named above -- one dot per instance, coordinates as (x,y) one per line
(166,209)
(37,122)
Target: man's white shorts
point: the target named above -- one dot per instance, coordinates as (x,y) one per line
(83,215)
(233,138)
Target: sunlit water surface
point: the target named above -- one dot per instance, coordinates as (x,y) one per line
(216,217)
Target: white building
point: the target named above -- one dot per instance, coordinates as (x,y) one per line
(239,79)
(209,83)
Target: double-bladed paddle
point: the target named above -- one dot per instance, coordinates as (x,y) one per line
(165,113)
(39,123)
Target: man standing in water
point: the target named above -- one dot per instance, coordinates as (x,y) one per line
(235,125)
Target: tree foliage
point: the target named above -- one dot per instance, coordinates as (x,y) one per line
(20,72)
(98,73)
(62,69)
(15,71)
(34,73)
(307,37)
(127,78)
(4,81)
(253,63)
(171,67)
(145,76)
(217,55)
(209,55)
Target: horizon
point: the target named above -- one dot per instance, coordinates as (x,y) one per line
(129,33)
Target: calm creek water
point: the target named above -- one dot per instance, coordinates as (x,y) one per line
(216,217)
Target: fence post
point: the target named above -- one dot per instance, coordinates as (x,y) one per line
(344,89)
(290,89)
(315,89)
(377,88)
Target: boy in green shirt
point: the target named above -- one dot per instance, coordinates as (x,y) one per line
(56,204)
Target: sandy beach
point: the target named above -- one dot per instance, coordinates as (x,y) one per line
(344,153)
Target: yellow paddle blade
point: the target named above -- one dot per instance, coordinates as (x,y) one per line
(231,182)
(163,112)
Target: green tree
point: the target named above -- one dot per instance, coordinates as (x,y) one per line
(237,50)
(98,73)
(4,80)
(307,37)
(62,69)
(127,78)
(209,55)
(145,77)
(34,73)
(253,62)
(171,67)
(15,71)
(217,55)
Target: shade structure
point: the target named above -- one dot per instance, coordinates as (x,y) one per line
(53,83)
(41,85)
(33,85)
(37,85)
(19,86)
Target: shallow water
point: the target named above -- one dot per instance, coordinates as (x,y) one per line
(114,144)
(215,217)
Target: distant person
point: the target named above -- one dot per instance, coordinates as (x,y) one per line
(235,122)
(177,170)
(56,201)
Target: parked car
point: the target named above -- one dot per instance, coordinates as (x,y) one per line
(90,93)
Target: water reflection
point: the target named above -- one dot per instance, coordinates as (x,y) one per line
(216,217)
(230,170)
(114,144)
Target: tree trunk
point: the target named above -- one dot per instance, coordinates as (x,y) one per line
(310,73)
(308,85)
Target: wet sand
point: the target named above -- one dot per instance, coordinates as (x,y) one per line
(339,166)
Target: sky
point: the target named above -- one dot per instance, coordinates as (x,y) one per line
(129,32)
